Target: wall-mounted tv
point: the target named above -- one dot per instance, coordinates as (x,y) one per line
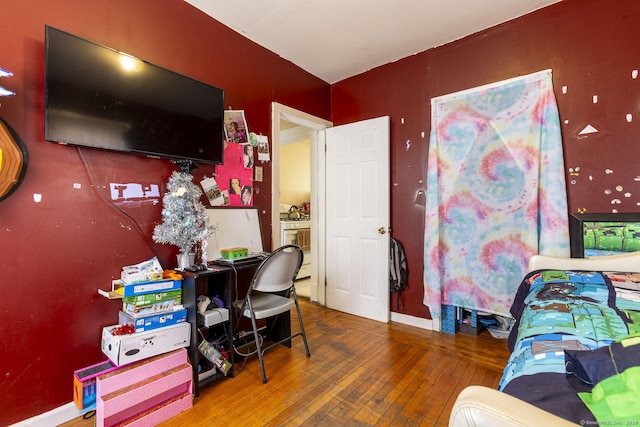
(99,97)
(601,234)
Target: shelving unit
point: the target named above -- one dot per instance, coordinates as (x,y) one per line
(211,283)
(457,319)
(230,284)
(146,392)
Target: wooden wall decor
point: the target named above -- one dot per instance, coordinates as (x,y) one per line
(13,160)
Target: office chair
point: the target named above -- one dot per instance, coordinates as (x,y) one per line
(269,295)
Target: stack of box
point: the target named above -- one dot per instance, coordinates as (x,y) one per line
(151,300)
(152,320)
(152,315)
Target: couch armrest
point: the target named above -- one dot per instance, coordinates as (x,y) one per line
(478,406)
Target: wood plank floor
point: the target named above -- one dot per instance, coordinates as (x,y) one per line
(361,373)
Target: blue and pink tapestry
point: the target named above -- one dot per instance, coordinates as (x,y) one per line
(495,192)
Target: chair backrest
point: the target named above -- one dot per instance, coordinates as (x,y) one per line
(278,270)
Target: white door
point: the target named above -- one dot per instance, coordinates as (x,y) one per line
(357,218)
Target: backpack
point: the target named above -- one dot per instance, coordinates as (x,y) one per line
(398,273)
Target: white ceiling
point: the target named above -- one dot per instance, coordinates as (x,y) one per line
(336,39)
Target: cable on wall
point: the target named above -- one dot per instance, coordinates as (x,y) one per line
(110,202)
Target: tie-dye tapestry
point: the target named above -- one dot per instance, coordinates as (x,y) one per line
(495,192)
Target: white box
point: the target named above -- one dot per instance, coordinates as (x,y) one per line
(124,349)
(142,272)
(213,317)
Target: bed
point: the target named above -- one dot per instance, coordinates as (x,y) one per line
(569,314)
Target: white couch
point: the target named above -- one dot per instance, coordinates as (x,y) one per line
(483,406)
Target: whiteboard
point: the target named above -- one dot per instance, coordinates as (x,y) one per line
(232,228)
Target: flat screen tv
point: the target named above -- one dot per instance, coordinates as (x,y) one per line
(99,97)
(600,234)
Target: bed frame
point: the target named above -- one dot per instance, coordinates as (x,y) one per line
(629,262)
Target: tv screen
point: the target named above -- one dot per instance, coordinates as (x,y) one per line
(601,234)
(98,97)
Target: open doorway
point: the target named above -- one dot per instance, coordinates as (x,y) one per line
(295,196)
(291,126)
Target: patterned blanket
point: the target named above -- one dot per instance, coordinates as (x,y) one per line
(558,311)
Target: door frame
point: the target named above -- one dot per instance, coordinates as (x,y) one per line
(318,191)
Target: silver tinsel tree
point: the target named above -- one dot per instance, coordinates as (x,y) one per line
(184,216)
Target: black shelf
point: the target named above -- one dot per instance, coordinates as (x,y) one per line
(230,284)
(221,281)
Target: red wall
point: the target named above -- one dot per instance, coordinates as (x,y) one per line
(591,46)
(56,254)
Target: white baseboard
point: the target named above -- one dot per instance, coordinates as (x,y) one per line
(54,417)
(419,322)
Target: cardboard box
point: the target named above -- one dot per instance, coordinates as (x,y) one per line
(119,287)
(233,253)
(124,349)
(148,299)
(145,271)
(148,310)
(131,278)
(148,304)
(154,321)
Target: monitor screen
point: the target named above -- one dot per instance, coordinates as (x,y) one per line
(98,97)
(601,234)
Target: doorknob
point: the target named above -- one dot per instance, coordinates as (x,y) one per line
(381,230)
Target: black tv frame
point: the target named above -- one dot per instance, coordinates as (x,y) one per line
(577,221)
(90,101)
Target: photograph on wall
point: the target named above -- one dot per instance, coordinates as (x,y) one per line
(234,186)
(246,195)
(263,148)
(235,126)
(247,156)
(225,196)
(212,191)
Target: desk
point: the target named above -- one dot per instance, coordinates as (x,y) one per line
(230,284)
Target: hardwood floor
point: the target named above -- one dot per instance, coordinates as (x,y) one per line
(361,373)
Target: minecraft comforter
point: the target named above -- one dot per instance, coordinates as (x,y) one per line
(561,315)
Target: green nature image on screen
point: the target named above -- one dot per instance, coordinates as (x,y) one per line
(607,238)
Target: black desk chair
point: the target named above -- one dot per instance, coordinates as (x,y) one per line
(270,293)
